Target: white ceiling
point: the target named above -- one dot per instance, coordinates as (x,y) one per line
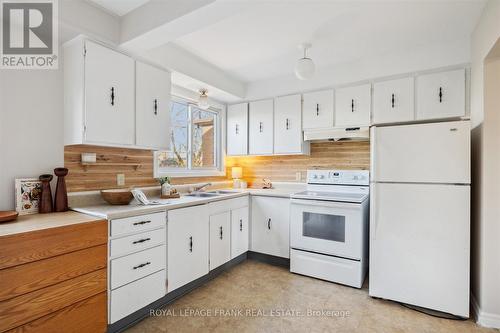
(261,42)
(119,7)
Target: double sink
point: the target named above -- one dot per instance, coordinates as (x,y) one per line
(209,194)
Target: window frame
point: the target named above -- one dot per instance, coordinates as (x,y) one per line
(189,170)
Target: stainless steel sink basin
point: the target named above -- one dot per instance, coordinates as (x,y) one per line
(222,192)
(202,195)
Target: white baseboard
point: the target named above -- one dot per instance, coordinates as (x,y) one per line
(484,318)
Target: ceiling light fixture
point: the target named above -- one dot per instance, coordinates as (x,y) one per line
(203,100)
(304,69)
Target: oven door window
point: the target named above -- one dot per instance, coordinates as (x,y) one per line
(323,226)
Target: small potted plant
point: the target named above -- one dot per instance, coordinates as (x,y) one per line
(166,188)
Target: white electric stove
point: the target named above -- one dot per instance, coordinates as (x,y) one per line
(329,226)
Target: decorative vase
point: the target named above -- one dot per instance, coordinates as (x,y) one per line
(166,189)
(61,199)
(45,204)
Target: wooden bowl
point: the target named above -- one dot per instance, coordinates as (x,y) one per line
(9,215)
(117,196)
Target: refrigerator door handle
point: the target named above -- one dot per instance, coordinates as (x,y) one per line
(373,213)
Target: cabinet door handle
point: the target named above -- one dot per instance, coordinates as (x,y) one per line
(440,94)
(392,101)
(142,222)
(113,96)
(142,265)
(317,109)
(241,225)
(220,232)
(287,124)
(260,127)
(156,107)
(352,105)
(269,224)
(237,129)
(141,240)
(191,244)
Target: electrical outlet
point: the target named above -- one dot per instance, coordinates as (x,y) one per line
(298,176)
(120,179)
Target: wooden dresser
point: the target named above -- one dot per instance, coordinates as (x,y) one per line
(53,270)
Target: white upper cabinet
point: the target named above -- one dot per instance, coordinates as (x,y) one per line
(318,109)
(352,106)
(237,129)
(152,106)
(393,101)
(111,100)
(441,95)
(260,136)
(109,96)
(288,125)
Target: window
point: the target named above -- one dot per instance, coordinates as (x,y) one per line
(195,142)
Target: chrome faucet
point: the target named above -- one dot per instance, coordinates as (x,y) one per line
(199,188)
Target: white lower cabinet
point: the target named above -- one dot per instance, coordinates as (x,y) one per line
(136,295)
(188,245)
(271,226)
(137,263)
(239,231)
(220,239)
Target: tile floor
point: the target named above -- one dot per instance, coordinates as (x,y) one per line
(260,290)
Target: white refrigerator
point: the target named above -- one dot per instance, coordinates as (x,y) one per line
(420,215)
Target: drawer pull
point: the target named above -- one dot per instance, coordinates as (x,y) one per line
(141,240)
(269,224)
(221,232)
(191,244)
(142,265)
(241,225)
(142,222)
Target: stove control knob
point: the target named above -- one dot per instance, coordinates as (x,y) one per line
(315,176)
(322,176)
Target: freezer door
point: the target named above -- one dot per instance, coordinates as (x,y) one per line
(422,153)
(419,245)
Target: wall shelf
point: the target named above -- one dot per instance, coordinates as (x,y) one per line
(132,164)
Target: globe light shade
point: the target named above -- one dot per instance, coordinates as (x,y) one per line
(304,69)
(203,101)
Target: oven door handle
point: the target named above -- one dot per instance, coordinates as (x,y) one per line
(322,203)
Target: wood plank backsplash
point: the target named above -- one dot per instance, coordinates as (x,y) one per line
(103,177)
(324,155)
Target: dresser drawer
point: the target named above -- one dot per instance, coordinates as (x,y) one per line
(138,242)
(136,295)
(135,266)
(139,223)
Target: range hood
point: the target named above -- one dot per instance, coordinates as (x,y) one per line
(338,133)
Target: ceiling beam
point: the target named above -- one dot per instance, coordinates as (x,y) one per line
(159,22)
(81,17)
(179,60)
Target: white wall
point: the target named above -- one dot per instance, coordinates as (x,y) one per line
(485,104)
(422,57)
(31,127)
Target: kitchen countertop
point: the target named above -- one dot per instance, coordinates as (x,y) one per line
(110,212)
(35,222)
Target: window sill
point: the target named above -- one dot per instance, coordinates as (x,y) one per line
(188,173)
